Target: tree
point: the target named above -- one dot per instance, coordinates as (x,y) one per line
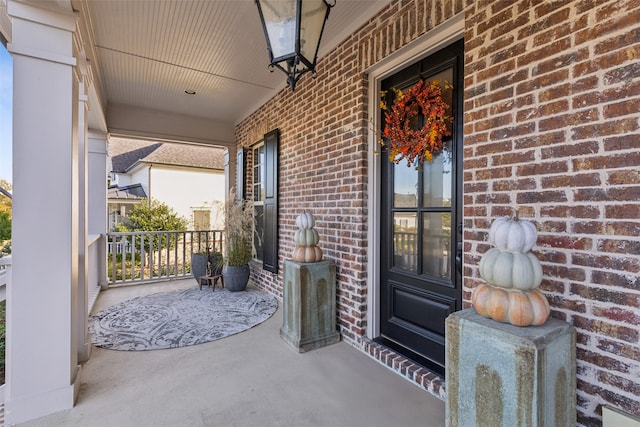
(153,216)
(5,226)
(5,201)
(5,217)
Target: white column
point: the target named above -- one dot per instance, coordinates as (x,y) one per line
(230,168)
(84,342)
(42,356)
(98,196)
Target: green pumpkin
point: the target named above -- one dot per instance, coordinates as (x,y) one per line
(511,269)
(306,237)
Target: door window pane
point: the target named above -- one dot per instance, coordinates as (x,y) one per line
(405,244)
(405,180)
(436,241)
(437,178)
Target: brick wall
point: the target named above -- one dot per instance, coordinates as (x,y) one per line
(552,94)
(551,100)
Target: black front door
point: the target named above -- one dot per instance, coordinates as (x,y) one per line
(421,226)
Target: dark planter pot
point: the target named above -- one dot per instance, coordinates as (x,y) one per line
(235,277)
(198,265)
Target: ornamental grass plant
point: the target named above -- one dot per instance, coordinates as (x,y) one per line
(239,226)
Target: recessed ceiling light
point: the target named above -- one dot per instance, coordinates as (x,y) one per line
(190,92)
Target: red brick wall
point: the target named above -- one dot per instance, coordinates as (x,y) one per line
(323,150)
(552,95)
(551,128)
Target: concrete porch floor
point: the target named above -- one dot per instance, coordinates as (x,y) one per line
(250,379)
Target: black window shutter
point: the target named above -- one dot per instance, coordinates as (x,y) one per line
(240,184)
(270,258)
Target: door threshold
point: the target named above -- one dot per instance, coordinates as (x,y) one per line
(416,358)
(418,374)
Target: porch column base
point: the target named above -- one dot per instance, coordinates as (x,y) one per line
(309,316)
(25,409)
(84,351)
(499,374)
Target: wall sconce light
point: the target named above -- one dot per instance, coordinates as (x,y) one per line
(293,29)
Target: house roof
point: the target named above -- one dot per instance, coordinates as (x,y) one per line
(135,192)
(125,153)
(404,200)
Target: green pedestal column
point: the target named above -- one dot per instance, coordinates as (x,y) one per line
(309,306)
(500,375)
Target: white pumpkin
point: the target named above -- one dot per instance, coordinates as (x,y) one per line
(305,220)
(511,269)
(306,237)
(512,235)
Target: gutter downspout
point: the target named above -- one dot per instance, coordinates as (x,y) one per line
(149,186)
(6,193)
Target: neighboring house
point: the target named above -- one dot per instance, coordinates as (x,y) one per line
(188,178)
(121,200)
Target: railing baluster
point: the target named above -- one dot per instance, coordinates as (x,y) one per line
(123,258)
(175,255)
(113,257)
(131,250)
(168,249)
(152,257)
(160,257)
(143,256)
(157,260)
(183,242)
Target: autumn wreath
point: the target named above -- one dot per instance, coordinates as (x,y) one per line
(402,136)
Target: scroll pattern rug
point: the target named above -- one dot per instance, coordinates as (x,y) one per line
(179,318)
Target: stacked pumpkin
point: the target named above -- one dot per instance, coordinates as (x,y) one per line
(306,240)
(513,275)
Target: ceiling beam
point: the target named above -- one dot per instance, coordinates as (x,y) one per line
(134,122)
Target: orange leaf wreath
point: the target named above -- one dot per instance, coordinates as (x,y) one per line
(407,143)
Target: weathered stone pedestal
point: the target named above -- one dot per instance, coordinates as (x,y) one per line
(309,307)
(503,375)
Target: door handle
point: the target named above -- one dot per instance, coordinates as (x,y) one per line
(459,249)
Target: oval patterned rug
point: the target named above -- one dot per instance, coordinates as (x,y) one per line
(179,318)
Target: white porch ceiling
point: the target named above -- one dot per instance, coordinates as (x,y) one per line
(146,53)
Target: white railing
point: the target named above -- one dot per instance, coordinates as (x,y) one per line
(136,257)
(405,248)
(5,282)
(97,270)
(156,255)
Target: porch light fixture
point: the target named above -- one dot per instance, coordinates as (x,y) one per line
(293,29)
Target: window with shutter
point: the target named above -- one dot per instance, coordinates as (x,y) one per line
(258,199)
(265,200)
(270,243)
(240,175)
